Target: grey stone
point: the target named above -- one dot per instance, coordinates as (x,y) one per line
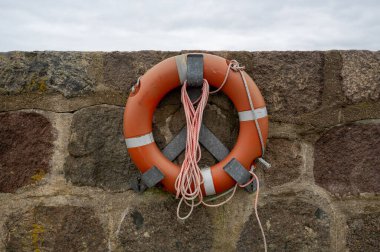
(347,159)
(122,69)
(286,160)
(69,73)
(153,226)
(361,75)
(289,225)
(55,228)
(98,154)
(291,82)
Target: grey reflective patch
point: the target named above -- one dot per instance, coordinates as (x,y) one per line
(176,145)
(195,70)
(237,171)
(152,176)
(249,116)
(139,141)
(208,183)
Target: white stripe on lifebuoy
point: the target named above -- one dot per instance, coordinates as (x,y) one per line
(208,182)
(250,115)
(139,141)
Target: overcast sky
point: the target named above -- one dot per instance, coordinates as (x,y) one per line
(94,25)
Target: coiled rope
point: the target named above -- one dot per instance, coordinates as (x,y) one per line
(189,181)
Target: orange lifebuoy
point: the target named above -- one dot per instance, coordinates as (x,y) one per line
(163,78)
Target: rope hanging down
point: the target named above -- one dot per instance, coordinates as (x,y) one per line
(189,181)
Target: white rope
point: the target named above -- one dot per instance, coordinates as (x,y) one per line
(188,183)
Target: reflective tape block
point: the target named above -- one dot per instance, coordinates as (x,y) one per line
(176,145)
(152,176)
(195,70)
(212,143)
(237,172)
(252,187)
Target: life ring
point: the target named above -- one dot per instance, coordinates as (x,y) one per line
(160,80)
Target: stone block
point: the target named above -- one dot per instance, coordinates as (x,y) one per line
(347,159)
(55,228)
(361,75)
(289,225)
(363,232)
(291,82)
(69,73)
(153,226)
(286,159)
(26,148)
(98,154)
(122,69)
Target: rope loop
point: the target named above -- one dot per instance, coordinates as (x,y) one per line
(136,85)
(235,66)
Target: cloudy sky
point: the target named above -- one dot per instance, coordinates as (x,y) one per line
(94,25)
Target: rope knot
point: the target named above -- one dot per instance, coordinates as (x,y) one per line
(235,66)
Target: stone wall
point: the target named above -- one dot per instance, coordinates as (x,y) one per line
(66,178)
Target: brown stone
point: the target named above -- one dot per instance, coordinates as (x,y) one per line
(98,154)
(347,159)
(332,75)
(361,75)
(286,160)
(291,82)
(289,225)
(26,147)
(55,228)
(153,226)
(364,232)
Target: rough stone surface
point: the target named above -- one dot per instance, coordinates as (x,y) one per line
(361,75)
(69,73)
(291,82)
(286,160)
(347,159)
(122,69)
(332,90)
(154,227)
(55,228)
(98,155)
(364,232)
(26,147)
(290,225)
